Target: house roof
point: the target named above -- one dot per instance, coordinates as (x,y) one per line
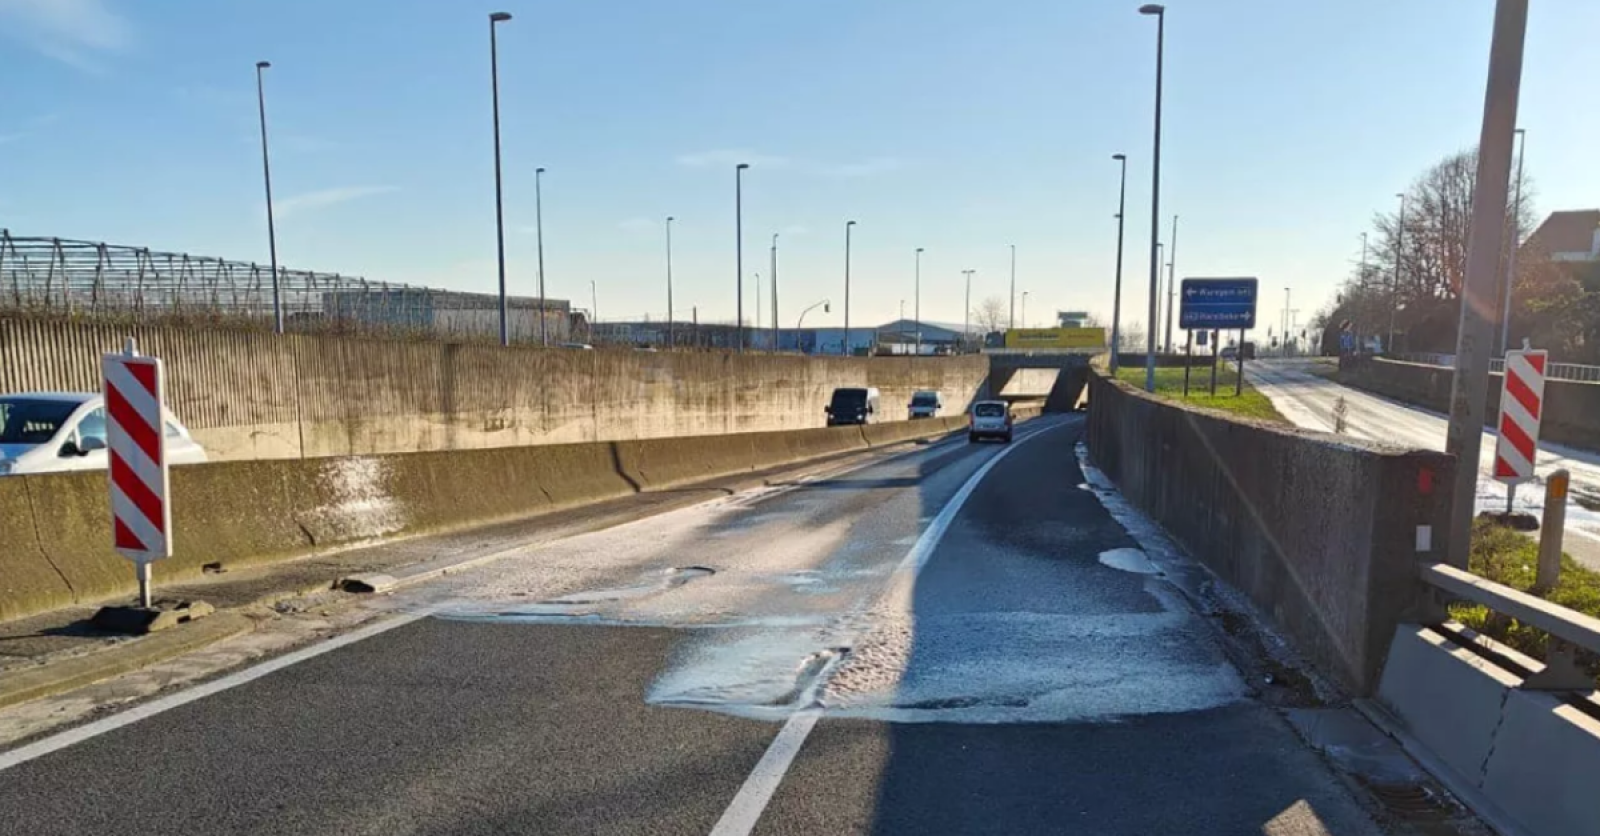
(1566,232)
(908,324)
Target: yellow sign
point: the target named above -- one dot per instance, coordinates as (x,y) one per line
(1056,338)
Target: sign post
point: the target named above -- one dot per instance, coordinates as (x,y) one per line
(1521,407)
(1218,304)
(141,516)
(1188,359)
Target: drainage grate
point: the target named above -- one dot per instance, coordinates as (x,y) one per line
(1412,802)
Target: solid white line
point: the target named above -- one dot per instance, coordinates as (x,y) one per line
(150,709)
(751,801)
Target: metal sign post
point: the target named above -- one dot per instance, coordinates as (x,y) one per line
(1238,383)
(141,516)
(1216,350)
(1188,359)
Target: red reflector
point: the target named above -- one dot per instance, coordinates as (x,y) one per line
(1425,481)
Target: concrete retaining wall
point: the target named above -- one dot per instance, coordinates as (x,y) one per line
(253,395)
(55,529)
(1572,410)
(1320,531)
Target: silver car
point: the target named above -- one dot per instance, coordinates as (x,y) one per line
(990,419)
(49,432)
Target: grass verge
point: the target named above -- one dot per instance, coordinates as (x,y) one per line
(1250,403)
(1511,558)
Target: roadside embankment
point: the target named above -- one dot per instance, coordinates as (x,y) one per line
(1571,409)
(1321,532)
(54,529)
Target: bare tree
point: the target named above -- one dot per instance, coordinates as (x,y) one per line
(991,314)
(1132,337)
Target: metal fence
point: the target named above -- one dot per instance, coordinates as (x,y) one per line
(90,279)
(1553,371)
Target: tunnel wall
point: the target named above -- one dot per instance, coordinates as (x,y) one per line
(1571,409)
(55,528)
(248,394)
(1320,531)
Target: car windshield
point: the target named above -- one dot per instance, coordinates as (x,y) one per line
(990,410)
(924,399)
(845,400)
(31,420)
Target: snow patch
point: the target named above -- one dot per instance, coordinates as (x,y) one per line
(1129,560)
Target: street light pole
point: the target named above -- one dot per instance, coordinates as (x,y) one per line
(738,250)
(594,306)
(775,329)
(672,341)
(1011,320)
(966,322)
(1511,257)
(1394,284)
(499,213)
(266,173)
(848,225)
(538,225)
(1024,308)
(916,306)
(1172,279)
(1469,389)
(1116,299)
(1160,13)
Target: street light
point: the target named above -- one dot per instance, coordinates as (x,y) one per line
(826,308)
(1172,279)
(1511,257)
(1394,285)
(775,329)
(499,213)
(266,173)
(538,224)
(1160,13)
(738,249)
(966,322)
(1011,318)
(916,306)
(1116,299)
(671,341)
(848,225)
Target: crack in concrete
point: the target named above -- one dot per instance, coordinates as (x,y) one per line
(38,541)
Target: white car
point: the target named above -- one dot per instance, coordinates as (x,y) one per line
(990,419)
(50,432)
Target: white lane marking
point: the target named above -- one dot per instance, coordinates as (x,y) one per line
(751,801)
(71,737)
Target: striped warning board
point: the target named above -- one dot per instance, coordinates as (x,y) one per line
(1521,405)
(141,516)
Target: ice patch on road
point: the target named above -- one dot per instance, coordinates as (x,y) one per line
(1129,560)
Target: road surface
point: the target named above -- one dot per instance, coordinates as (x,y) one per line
(960,640)
(1309,401)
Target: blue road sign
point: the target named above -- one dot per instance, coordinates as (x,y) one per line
(1217,303)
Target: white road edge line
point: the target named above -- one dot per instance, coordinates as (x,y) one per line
(70,737)
(751,801)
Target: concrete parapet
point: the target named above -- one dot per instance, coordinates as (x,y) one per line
(1320,531)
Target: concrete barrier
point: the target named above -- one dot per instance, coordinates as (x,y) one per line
(1527,759)
(1320,531)
(1571,409)
(55,537)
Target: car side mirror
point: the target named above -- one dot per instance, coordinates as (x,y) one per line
(90,444)
(70,450)
(828,410)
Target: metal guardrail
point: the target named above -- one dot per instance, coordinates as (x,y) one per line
(1567,628)
(1576,372)
(86,278)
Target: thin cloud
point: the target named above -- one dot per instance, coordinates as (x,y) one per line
(864,168)
(328,197)
(73,32)
(730,157)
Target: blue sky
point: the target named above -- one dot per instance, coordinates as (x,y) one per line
(953,125)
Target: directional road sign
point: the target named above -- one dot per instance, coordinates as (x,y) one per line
(1217,303)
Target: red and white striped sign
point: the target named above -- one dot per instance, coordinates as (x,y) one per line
(141,517)
(1521,405)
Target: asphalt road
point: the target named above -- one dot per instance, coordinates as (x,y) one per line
(1309,401)
(901,649)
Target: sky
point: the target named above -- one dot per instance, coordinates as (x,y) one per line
(953,125)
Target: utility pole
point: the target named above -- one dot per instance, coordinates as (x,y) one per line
(1011,320)
(917,301)
(1116,303)
(1394,287)
(738,253)
(966,323)
(538,225)
(671,336)
(774,291)
(1511,257)
(266,173)
(848,225)
(1469,388)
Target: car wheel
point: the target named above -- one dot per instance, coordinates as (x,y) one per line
(1008,438)
(972,438)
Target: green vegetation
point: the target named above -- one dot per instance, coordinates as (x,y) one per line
(1511,558)
(1169,384)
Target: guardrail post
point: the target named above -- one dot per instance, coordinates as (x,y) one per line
(1551,529)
